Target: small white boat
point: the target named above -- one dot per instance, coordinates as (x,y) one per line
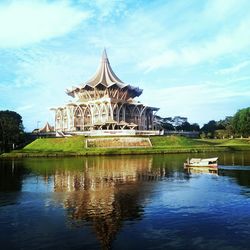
(199,162)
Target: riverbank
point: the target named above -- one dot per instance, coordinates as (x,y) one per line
(76,146)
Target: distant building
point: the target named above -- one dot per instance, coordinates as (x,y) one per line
(104,102)
(47,128)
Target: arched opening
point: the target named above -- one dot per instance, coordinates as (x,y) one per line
(78,119)
(104,113)
(128,114)
(136,117)
(87,117)
(96,114)
(65,120)
(59,120)
(116,113)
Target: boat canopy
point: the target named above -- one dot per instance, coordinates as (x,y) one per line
(199,160)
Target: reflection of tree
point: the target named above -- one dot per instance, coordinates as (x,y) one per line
(106,192)
(242,177)
(170,166)
(10,176)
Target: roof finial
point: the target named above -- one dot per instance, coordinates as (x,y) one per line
(104,54)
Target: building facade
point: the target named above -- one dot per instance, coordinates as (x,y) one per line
(104,102)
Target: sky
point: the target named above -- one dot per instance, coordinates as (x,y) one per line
(191,58)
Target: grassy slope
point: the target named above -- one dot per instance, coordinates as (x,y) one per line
(67,144)
(161,144)
(234,144)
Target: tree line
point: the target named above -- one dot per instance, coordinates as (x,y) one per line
(232,126)
(11,130)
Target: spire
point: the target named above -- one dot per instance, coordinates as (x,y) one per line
(104,54)
(105,75)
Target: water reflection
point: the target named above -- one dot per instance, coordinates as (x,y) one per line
(235,165)
(11,176)
(201,170)
(104,193)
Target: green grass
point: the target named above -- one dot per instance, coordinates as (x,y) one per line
(67,144)
(75,146)
(175,141)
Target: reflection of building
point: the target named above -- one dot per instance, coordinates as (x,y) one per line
(100,173)
(105,192)
(104,102)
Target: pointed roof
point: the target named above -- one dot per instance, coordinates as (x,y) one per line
(106,77)
(47,128)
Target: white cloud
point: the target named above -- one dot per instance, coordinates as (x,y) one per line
(109,8)
(218,30)
(223,44)
(24,108)
(234,69)
(26,22)
(196,101)
(154,36)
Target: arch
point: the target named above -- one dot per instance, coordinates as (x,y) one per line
(104,112)
(121,112)
(65,119)
(78,118)
(59,119)
(143,117)
(96,113)
(87,114)
(128,113)
(136,116)
(149,119)
(116,112)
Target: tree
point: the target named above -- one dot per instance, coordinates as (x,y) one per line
(241,122)
(167,126)
(224,128)
(195,127)
(11,130)
(186,126)
(209,128)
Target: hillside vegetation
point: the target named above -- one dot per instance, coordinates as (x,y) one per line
(75,146)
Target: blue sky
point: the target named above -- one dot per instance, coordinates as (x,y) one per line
(192,57)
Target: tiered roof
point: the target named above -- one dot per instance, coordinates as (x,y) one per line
(47,128)
(105,77)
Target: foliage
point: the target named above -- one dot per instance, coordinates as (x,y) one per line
(186,126)
(209,128)
(75,146)
(167,126)
(11,130)
(241,122)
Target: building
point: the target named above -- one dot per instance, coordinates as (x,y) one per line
(104,102)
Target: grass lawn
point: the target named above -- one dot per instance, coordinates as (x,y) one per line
(67,144)
(75,146)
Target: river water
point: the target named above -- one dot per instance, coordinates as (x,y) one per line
(124,202)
